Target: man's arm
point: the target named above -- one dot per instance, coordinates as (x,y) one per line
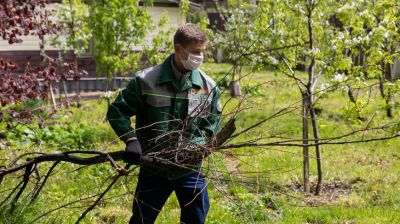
(126,105)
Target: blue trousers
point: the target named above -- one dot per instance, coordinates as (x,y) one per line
(152,192)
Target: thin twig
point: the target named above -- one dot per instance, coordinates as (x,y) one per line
(36,193)
(93,205)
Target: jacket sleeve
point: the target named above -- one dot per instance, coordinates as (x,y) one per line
(126,105)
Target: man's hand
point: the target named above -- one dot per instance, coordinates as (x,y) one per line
(133,151)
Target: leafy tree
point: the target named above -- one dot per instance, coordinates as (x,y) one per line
(347,42)
(383,46)
(238,38)
(21,18)
(73,15)
(288,35)
(368,40)
(14,89)
(302,27)
(118,26)
(161,44)
(75,37)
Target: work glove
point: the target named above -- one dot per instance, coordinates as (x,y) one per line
(133,151)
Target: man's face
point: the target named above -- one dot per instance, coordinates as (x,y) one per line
(193,48)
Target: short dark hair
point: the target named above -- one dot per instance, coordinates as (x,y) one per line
(189,33)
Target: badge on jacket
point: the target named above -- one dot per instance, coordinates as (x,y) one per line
(199,103)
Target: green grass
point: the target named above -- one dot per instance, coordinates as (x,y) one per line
(260,185)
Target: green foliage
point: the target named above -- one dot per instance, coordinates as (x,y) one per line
(355,111)
(47,128)
(73,15)
(197,16)
(18,214)
(62,137)
(260,208)
(223,80)
(161,44)
(31,107)
(369,38)
(253,90)
(184,6)
(118,27)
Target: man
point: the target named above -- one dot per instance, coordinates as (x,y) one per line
(176,106)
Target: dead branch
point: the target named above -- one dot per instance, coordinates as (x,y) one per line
(322,142)
(36,193)
(93,205)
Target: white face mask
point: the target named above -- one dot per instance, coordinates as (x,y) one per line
(193,62)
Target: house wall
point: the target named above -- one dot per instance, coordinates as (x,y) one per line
(156,13)
(28,50)
(31,43)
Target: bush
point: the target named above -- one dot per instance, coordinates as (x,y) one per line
(253,90)
(223,80)
(61,136)
(256,207)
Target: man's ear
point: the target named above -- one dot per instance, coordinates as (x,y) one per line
(177,48)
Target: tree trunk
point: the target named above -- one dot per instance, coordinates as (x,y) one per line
(62,85)
(43,53)
(317,149)
(306,161)
(65,89)
(235,84)
(387,96)
(77,93)
(388,75)
(114,82)
(307,104)
(381,86)
(52,98)
(308,108)
(350,93)
(235,89)
(77,83)
(75,46)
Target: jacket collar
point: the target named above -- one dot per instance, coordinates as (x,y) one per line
(167,75)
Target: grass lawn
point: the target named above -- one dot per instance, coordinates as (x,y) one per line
(246,185)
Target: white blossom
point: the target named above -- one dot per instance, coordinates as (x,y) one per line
(315,50)
(365,12)
(345,88)
(386,34)
(322,88)
(339,77)
(272,60)
(340,36)
(107,95)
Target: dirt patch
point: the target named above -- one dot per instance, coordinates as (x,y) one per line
(232,165)
(330,192)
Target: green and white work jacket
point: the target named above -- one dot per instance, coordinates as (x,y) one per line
(167,112)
